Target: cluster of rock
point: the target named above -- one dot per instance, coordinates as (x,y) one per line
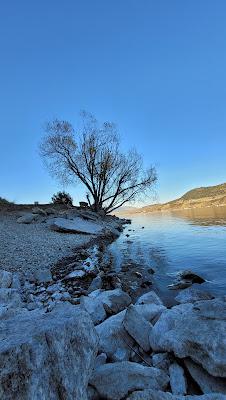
(74,220)
(74,333)
(186,279)
(105,347)
(47,288)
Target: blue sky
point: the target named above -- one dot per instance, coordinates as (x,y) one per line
(156,68)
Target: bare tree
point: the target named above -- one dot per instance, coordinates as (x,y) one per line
(93,157)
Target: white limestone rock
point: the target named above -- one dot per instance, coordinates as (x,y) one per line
(137,327)
(113,338)
(116,299)
(194,330)
(77,274)
(95,309)
(149,298)
(151,312)
(47,356)
(76,225)
(115,380)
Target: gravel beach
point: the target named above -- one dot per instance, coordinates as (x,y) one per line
(30,247)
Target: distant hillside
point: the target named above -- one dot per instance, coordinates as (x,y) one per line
(209,191)
(195,198)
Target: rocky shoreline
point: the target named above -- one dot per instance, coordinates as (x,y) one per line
(73,331)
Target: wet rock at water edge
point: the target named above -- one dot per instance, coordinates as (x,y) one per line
(138,274)
(191,276)
(145,284)
(151,271)
(186,279)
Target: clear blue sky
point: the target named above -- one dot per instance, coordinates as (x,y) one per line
(156,68)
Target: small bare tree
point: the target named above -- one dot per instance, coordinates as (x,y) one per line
(93,157)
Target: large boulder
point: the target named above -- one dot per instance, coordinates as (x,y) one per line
(194,330)
(137,327)
(27,218)
(113,338)
(151,312)
(95,309)
(116,299)
(149,394)
(149,298)
(47,356)
(185,279)
(76,225)
(115,380)
(97,301)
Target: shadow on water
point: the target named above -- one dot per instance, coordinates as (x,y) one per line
(171,242)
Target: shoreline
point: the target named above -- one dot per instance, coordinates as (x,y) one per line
(83,315)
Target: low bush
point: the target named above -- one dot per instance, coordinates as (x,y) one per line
(62,198)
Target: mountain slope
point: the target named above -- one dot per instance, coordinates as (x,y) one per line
(209,191)
(196,198)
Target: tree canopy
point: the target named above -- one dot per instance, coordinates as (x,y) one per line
(92,156)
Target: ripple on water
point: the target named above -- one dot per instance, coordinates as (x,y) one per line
(171,242)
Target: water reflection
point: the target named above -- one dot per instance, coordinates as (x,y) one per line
(170,242)
(209,216)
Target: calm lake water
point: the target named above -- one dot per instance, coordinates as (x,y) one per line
(171,242)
